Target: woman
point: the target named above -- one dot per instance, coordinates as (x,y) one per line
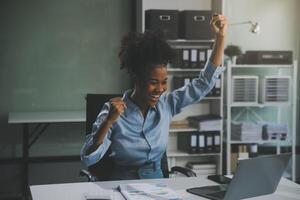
(136,126)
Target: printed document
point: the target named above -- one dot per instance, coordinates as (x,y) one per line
(146,191)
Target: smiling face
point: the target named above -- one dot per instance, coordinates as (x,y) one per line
(153,86)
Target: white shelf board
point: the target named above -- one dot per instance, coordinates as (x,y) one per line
(211,98)
(280,142)
(190,44)
(247,66)
(190,41)
(259,104)
(174,130)
(183,70)
(177,153)
(258,141)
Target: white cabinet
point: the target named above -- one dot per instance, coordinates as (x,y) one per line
(209,105)
(261,94)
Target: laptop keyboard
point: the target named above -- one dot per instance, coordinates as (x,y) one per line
(210,189)
(215,191)
(219,195)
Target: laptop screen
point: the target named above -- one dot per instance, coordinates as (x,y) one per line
(257,176)
(253,177)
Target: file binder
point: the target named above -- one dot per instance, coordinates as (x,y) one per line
(217,142)
(176,62)
(217,91)
(209,144)
(193,58)
(187,142)
(202,58)
(185,58)
(201,142)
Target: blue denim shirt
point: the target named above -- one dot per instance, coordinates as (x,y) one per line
(135,140)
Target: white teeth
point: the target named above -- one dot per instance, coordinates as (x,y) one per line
(155,96)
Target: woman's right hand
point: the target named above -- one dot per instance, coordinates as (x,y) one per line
(117,107)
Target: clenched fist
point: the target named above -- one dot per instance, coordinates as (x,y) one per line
(117,107)
(219,25)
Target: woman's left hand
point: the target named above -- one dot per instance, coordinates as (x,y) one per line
(219,25)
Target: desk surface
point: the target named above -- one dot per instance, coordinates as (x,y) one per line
(286,190)
(46,117)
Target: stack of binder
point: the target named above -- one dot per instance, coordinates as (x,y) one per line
(180,81)
(191,58)
(246,131)
(207,122)
(199,142)
(202,168)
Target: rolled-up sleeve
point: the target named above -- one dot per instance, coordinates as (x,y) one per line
(195,90)
(90,140)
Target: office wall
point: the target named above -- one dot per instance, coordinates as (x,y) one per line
(277,19)
(53,52)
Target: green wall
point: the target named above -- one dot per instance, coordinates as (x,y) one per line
(54,52)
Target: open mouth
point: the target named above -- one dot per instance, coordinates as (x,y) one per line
(155,97)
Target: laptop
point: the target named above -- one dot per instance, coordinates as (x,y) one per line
(253,177)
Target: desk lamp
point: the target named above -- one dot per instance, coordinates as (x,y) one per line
(255,28)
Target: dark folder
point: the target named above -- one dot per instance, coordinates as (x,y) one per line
(185,58)
(202,58)
(209,142)
(193,58)
(201,142)
(187,142)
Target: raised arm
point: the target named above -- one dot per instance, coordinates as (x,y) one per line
(199,87)
(219,27)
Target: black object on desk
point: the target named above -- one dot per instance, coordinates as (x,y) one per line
(221,179)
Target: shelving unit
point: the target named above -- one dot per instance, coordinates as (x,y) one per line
(284,112)
(208,105)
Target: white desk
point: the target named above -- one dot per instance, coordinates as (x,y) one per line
(287,190)
(42,121)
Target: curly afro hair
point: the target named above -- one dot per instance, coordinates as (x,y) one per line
(141,52)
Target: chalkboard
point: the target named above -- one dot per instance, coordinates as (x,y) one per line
(53,52)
